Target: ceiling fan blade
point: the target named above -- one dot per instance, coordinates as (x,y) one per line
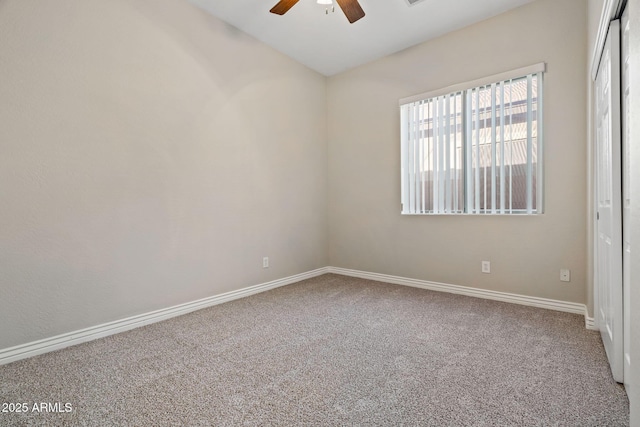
(351,9)
(283,6)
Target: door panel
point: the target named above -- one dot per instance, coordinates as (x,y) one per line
(626,197)
(609,203)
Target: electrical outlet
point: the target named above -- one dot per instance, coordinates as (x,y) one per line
(265,262)
(565,275)
(486,267)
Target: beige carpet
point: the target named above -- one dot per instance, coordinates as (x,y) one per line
(331,351)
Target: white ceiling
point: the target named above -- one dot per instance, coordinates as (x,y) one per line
(330,45)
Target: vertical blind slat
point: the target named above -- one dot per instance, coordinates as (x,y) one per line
(510,146)
(429,156)
(477,162)
(412,175)
(434,154)
(409,158)
(447,160)
(421,157)
(484,149)
(493,148)
(529,145)
(468,150)
(502,143)
(539,123)
(456,177)
(416,159)
(403,161)
(439,162)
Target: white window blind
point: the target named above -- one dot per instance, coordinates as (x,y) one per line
(474,150)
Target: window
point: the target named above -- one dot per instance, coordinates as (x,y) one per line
(474,148)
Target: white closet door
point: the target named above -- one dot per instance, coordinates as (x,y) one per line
(609,203)
(626,197)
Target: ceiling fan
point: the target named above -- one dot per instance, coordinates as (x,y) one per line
(351,8)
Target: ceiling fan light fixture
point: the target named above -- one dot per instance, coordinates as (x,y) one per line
(351,8)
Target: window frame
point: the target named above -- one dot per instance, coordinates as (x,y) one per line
(464,89)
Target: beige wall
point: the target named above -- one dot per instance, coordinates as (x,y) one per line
(150,155)
(367,231)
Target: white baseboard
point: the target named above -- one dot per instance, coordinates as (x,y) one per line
(551,304)
(46,345)
(589,322)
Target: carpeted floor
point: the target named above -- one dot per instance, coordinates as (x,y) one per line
(329,351)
